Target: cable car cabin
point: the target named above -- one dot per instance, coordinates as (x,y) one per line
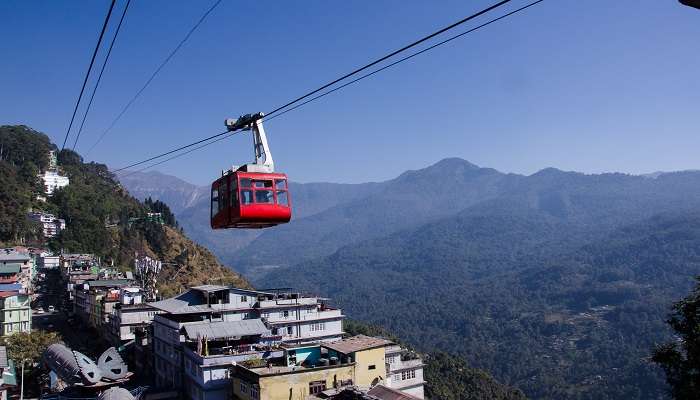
(250,200)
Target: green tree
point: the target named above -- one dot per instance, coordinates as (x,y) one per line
(680,359)
(26,349)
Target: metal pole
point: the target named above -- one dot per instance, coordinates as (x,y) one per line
(21,390)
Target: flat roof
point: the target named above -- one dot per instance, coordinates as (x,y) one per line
(108,282)
(10,269)
(226,329)
(210,288)
(357,343)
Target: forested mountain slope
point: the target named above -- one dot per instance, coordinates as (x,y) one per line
(101,217)
(518,298)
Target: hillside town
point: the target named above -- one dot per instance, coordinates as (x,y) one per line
(208,342)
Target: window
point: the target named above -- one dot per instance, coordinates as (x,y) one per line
(408,375)
(290,330)
(264,196)
(321,326)
(214,202)
(316,387)
(234,193)
(284,314)
(245,182)
(223,201)
(282,198)
(280,184)
(244,387)
(246,197)
(274,331)
(371,367)
(262,184)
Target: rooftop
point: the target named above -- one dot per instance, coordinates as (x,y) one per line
(8,293)
(6,255)
(109,283)
(226,329)
(210,288)
(10,269)
(384,393)
(357,343)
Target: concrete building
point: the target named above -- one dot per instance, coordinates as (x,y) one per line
(322,370)
(404,371)
(26,263)
(15,313)
(129,316)
(51,225)
(53,180)
(286,317)
(49,262)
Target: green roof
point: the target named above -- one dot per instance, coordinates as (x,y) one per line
(10,269)
(9,376)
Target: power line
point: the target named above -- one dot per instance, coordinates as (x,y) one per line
(404,59)
(393,53)
(332,90)
(99,78)
(92,61)
(172,151)
(150,79)
(176,156)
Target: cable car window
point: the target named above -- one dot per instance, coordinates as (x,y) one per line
(245,182)
(223,200)
(214,202)
(262,184)
(280,184)
(282,198)
(263,196)
(234,193)
(246,197)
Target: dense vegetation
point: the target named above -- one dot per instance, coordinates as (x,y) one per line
(545,305)
(101,217)
(447,377)
(23,154)
(680,358)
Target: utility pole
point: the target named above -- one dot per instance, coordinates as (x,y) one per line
(21,388)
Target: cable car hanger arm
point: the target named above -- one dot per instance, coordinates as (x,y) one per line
(263,156)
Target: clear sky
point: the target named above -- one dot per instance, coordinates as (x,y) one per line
(586,85)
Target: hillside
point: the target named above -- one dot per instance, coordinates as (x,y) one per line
(101,216)
(514,298)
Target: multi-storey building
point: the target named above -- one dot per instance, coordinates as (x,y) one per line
(324,369)
(26,263)
(269,318)
(15,313)
(53,180)
(51,225)
(129,316)
(404,371)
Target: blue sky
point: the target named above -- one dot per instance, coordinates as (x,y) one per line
(591,85)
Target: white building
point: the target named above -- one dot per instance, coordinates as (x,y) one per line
(238,324)
(129,315)
(51,225)
(52,181)
(404,371)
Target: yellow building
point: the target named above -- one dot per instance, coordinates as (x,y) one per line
(355,361)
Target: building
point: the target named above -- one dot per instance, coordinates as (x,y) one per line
(21,257)
(279,317)
(53,180)
(404,371)
(320,371)
(8,378)
(51,225)
(15,313)
(49,262)
(9,273)
(95,300)
(129,316)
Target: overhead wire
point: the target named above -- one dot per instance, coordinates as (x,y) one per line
(87,74)
(102,70)
(393,53)
(153,75)
(332,90)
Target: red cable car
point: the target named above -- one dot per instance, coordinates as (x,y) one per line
(253,195)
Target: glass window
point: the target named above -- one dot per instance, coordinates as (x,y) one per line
(282,198)
(245,182)
(234,193)
(214,202)
(263,196)
(280,183)
(262,184)
(246,197)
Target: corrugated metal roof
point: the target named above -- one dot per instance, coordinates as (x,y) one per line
(4,256)
(226,329)
(357,343)
(210,288)
(109,283)
(384,393)
(3,357)
(10,269)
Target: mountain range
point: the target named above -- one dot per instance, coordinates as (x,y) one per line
(557,282)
